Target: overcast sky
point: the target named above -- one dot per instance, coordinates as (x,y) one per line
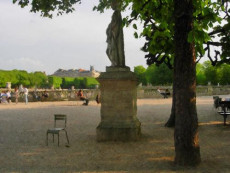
(71,41)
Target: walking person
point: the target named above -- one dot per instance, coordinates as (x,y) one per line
(16,92)
(26,95)
(8,96)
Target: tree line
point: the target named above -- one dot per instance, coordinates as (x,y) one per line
(41,80)
(162,75)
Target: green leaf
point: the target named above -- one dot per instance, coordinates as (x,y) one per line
(190,37)
(135,35)
(134,26)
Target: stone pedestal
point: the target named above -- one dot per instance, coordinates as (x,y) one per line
(118,106)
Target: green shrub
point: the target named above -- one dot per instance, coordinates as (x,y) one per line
(91,82)
(55,81)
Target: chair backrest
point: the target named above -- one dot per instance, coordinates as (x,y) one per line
(58,117)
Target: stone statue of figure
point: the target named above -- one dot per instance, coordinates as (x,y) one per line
(115,39)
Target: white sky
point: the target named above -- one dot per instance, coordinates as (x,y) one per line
(71,41)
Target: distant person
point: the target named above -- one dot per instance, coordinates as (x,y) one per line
(26,92)
(45,94)
(8,96)
(82,97)
(164,92)
(36,96)
(3,97)
(16,92)
(1,94)
(98,98)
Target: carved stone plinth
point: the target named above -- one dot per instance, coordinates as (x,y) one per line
(118,106)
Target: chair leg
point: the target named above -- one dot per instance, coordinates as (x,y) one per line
(47,139)
(58,139)
(53,138)
(67,136)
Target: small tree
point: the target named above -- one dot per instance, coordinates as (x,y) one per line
(140,73)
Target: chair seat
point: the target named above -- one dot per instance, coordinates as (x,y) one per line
(54,130)
(224,113)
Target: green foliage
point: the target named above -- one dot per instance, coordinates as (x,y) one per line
(159,75)
(17,77)
(200,75)
(211,23)
(91,82)
(55,81)
(211,28)
(67,82)
(140,73)
(40,80)
(48,7)
(225,74)
(204,73)
(210,73)
(79,82)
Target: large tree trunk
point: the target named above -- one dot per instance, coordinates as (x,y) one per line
(186,123)
(171,120)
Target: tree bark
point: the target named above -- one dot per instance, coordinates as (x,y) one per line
(171,120)
(186,123)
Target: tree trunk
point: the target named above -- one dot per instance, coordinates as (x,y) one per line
(186,123)
(171,120)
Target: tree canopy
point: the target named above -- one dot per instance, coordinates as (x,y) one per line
(211,28)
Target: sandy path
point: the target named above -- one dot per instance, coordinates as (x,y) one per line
(23,131)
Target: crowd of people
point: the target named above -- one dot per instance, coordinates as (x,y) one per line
(6,96)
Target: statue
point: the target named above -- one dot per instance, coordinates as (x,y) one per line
(115,39)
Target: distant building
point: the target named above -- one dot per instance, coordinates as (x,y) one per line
(77,73)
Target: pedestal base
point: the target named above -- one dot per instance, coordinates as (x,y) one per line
(119,132)
(118,106)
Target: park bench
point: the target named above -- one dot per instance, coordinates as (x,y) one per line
(224,105)
(225,115)
(164,92)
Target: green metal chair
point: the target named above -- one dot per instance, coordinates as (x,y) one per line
(56,130)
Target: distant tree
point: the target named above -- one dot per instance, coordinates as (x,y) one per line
(210,73)
(225,74)
(200,75)
(67,82)
(20,77)
(55,81)
(90,82)
(79,82)
(140,73)
(159,75)
(38,79)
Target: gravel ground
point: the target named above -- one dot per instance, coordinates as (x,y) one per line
(23,133)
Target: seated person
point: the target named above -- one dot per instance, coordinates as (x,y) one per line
(3,97)
(98,98)
(45,94)
(36,96)
(82,97)
(164,92)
